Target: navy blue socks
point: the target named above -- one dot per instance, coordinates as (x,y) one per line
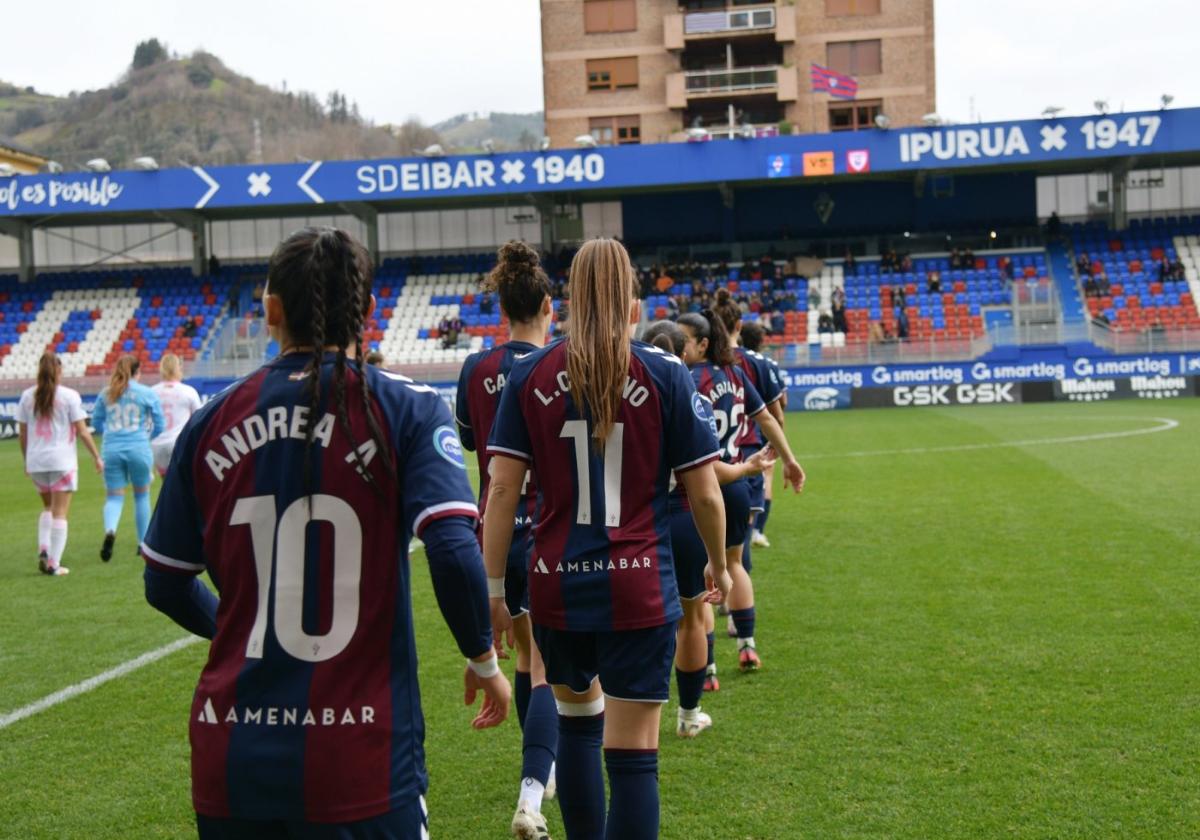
(580,776)
(743,620)
(633,780)
(541,735)
(691,687)
(522,685)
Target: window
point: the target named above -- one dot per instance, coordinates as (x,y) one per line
(609,16)
(612,73)
(845,8)
(855,58)
(616,131)
(851,116)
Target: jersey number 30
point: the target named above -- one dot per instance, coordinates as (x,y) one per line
(259,513)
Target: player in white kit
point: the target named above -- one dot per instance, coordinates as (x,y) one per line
(56,415)
(179,402)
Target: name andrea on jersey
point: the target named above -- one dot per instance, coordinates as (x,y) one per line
(257,430)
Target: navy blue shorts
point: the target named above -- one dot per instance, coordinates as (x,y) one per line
(408,822)
(631,664)
(757,491)
(687,549)
(516,573)
(737,511)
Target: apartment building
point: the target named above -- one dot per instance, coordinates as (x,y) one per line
(646,71)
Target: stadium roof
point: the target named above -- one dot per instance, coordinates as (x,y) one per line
(1053,145)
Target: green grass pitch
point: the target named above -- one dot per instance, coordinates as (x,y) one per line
(971,639)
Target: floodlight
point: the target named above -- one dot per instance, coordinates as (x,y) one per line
(882,122)
(545,144)
(434,150)
(695,134)
(1101,106)
(53,167)
(489,146)
(149,164)
(992,234)
(1052,110)
(586,140)
(98,165)
(1166,99)
(932,119)
(7,170)
(746,132)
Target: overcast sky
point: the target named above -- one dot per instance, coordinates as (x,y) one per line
(434,60)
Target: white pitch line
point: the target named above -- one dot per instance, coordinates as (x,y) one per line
(1165,425)
(90,683)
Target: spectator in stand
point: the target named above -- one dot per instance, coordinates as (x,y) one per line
(1054,226)
(754,305)
(1156,329)
(906,264)
(1007,269)
(1164,268)
(190,328)
(814,296)
(933,282)
(214,265)
(955,259)
(1089,287)
(768,296)
(778,323)
(899,297)
(665,281)
(901,323)
(838,296)
(839,316)
(825,323)
(1177,270)
(487,304)
(968,258)
(449,329)
(849,264)
(1103,287)
(879,334)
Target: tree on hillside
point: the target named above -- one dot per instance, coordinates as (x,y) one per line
(147,53)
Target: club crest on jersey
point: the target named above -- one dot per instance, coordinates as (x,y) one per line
(445,441)
(698,407)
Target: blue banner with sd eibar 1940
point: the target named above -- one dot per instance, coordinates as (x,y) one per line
(849,153)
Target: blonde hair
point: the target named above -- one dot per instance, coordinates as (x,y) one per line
(127,368)
(598,352)
(170,367)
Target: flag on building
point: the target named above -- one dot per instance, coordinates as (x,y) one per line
(837,85)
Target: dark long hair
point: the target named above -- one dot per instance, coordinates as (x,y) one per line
(752,335)
(666,335)
(323,278)
(519,280)
(727,310)
(49,367)
(707,324)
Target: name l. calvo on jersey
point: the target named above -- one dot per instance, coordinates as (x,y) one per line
(287,715)
(965,394)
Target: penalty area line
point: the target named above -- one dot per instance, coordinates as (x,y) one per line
(50,700)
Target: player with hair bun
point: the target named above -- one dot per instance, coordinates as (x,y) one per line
(179,402)
(735,402)
(524,292)
(297,489)
(56,414)
(603,421)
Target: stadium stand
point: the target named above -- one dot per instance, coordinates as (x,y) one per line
(1146,275)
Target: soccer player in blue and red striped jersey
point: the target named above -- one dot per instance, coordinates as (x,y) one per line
(693,640)
(750,337)
(297,489)
(735,404)
(524,292)
(603,421)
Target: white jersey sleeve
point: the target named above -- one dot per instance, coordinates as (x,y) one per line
(179,402)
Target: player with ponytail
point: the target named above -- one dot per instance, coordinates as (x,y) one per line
(603,421)
(55,413)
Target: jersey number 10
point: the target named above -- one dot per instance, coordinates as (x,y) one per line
(287,542)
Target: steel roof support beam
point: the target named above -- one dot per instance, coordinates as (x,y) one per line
(23,232)
(369,216)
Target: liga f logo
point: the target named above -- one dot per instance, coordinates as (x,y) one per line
(858,160)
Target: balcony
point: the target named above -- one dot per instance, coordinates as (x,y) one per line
(679,29)
(732,82)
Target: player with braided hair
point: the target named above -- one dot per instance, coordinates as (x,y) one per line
(298,489)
